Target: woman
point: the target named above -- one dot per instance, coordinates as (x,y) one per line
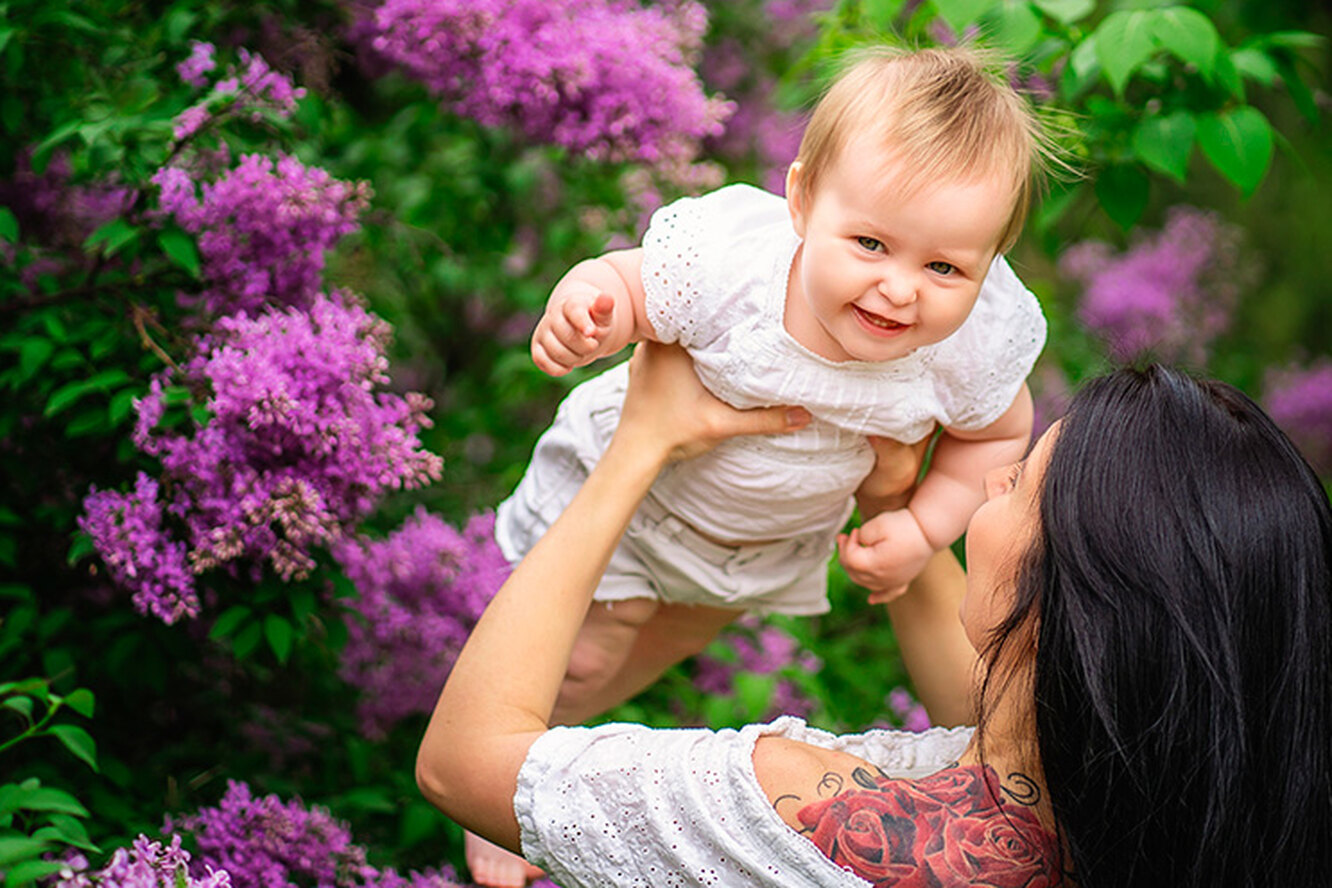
(1150,596)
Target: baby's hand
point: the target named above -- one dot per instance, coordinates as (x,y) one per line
(884,554)
(573,330)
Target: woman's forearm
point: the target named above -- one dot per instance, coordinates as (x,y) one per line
(501,691)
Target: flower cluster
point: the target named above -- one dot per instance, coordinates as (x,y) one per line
(264,842)
(55,212)
(127,530)
(262,229)
(422,589)
(253,90)
(758,649)
(908,712)
(1169,295)
(1300,400)
(610,79)
(295,448)
(145,864)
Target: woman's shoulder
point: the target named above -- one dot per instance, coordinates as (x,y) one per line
(961,825)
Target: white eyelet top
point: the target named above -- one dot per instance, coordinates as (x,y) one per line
(625,806)
(715,271)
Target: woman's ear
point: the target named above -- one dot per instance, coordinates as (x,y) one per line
(795,198)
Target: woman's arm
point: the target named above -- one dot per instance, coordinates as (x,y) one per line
(496,704)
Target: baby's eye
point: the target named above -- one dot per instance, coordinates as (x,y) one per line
(941,267)
(870,244)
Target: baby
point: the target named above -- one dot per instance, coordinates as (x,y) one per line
(874,295)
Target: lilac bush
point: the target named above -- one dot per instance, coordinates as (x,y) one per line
(262,228)
(1300,400)
(263,842)
(296,446)
(145,864)
(1169,294)
(422,589)
(609,79)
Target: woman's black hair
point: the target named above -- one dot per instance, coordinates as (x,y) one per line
(1180,596)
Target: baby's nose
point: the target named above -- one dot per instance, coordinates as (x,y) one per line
(898,289)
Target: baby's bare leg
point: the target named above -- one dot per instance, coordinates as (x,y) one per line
(674,632)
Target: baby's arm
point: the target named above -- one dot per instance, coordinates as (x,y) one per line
(886,551)
(595,310)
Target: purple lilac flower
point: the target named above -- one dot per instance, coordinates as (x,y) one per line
(145,864)
(1300,400)
(792,21)
(262,229)
(297,447)
(908,712)
(254,90)
(264,842)
(127,532)
(609,79)
(422,589)
(200,62)
(1170,294)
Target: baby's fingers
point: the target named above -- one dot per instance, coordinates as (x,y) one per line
(589,319)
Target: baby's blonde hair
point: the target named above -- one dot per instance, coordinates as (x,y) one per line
(943,114)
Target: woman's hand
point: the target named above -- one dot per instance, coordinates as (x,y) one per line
(668,411)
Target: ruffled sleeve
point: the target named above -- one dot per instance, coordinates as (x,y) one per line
(703,257)
(979,370)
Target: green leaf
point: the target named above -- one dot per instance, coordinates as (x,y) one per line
(1017,27)
(1123,42)
(960,13)
(111,237)
(5,35)
(29,871)
(45,798)
(1239,144)
(227,621)
(81,700)
(1188,35)
(1066,11)
(1255,65)
(70,392)
(16,848)
(80,546)
(67,829)
(1299,91)
(9,228)
(21,705)
(279,634)
(1228,76)
(77,741)
(247,640)
(1164,143)
(180,249)
(34,352)
(1294,39)
(1123,190)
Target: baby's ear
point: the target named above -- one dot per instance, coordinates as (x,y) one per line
(796,204)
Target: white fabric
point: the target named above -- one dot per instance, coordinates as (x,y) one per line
(715,269)
(624,805)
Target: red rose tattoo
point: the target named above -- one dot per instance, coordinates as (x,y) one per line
(945,830)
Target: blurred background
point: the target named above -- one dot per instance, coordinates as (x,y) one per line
(270,271)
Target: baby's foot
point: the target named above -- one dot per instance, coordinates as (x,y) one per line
(496,867)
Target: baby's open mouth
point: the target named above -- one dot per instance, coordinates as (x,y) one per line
(877,320)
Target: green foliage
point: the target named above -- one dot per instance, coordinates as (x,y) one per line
(1146,83)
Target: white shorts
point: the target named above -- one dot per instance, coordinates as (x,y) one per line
(660,556)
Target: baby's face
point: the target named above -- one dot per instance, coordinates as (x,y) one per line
(882,272)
